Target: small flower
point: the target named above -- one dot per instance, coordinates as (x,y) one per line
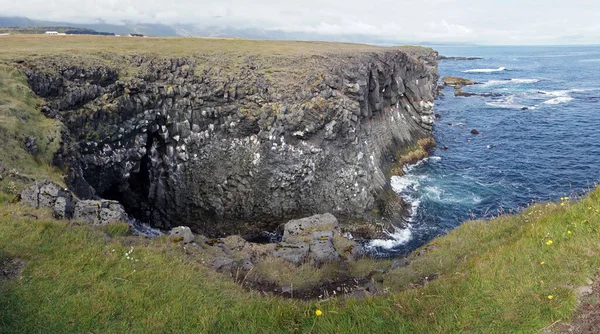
(569,232)
(549,242)
(542,262)
(550,297)
(562,204)
(318,313)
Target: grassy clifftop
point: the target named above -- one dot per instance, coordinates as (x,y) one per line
(515,273)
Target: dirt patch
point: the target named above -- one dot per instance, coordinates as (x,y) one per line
(10,268)
(324,290)
(587,317)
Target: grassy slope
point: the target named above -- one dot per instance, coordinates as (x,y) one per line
(488,276)
(20,118)
(489,279)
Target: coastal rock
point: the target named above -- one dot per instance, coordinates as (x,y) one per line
(217,142)
(458,58)
(181,234)
(474,132)
(457,82)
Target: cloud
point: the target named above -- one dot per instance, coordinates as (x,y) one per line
(492,21)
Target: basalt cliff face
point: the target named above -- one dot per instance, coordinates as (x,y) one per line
(216,143)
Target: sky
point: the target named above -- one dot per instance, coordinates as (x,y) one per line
(497,22)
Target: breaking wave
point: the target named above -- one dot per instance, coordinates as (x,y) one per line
(485,70)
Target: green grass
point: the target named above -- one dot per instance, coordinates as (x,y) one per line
(20,117)
(487,277)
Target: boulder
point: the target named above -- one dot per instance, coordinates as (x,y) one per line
(181,234)
(99,212)
(295,253)
(48,194)
(457,82)
(223,264)
(300,229)
(474,132)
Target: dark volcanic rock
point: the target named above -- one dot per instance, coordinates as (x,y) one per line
(475,132)
(458,58)
(217,144)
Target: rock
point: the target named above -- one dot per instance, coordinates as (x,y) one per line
(294,253)
(247,265)
(444,148)
(322,251)
(99,212)
(30,145)
(438,117)
(223,264)
(457,82)
(474,132)
(230,147)
(403,262)
(302,228)
(458,58)
(48,194)
(360,293)
(524,108)
(181,234)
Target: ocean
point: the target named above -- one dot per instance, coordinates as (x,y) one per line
(539,139)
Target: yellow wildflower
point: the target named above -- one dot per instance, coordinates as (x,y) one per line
(549,242)
(568,232)
(562,204)
(318,313)
(542,262)
(550,296)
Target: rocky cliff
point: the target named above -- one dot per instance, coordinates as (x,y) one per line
(214,142)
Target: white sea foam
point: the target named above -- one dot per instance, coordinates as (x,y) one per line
(485,70)
(558,100)
(399,237)
(508,102)
(511,81)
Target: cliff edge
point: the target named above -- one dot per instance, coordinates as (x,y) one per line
(221,136)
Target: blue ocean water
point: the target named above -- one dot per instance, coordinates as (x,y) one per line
(539,138)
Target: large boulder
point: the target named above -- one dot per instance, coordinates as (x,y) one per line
(302,229)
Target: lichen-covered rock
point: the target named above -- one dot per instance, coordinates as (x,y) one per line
(99,212)
(215,144)
(300,229)
(48,194)
(294,252)
(181,234)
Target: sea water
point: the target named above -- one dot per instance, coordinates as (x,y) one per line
(539,139)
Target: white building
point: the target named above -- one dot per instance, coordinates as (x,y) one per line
(51,32)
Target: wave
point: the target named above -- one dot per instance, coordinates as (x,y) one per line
(511,81)
(508,102)
(558,100)
(398,238)
(485,70)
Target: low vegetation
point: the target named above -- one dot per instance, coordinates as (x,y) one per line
(515,273)
(21,119)
(411,155)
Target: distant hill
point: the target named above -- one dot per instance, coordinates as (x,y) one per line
(125,29)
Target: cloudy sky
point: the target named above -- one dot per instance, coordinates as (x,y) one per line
(473,21)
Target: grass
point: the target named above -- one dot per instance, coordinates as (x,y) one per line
(485,276)
(20,118)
